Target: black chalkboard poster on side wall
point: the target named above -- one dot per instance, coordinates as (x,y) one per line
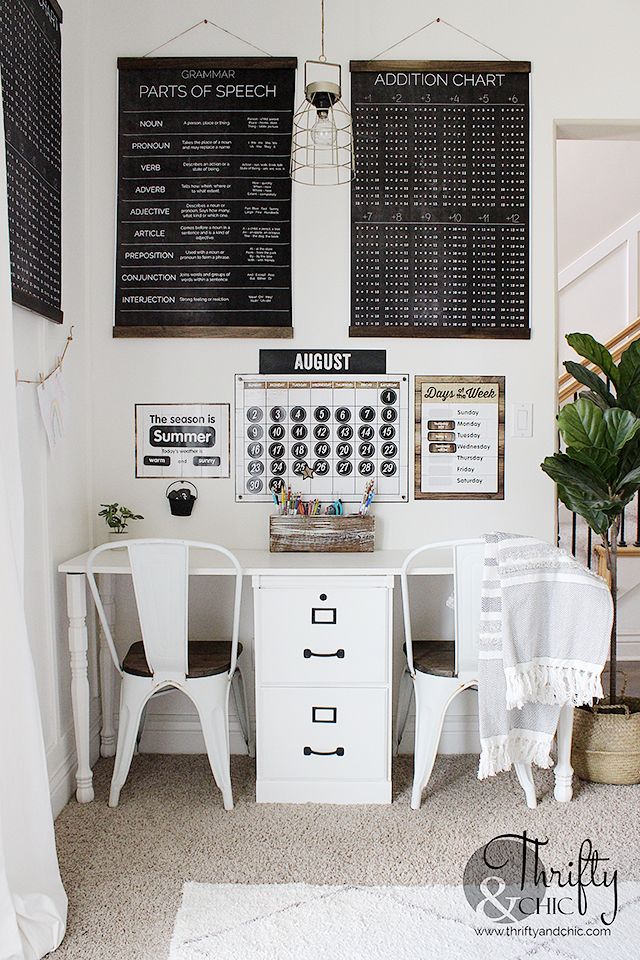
(30,62)
(204,197)
(440,203)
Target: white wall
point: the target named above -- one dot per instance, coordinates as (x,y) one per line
(57,486)
(122,372)
(125,372)
(595,302)
(598,202)
(598,191)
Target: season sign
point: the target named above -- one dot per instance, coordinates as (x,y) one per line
(182,440)
(179,437)
(204,197)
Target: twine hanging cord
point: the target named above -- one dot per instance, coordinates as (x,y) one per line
(58,365)
(216,26)
(425,26)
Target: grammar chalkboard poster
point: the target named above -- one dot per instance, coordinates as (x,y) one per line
(204,197)
(440,204)
(30,62)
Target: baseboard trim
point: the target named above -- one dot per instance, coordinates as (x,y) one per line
(628,647)
(62,779)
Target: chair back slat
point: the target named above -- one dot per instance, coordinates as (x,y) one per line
(468,572)
(468,557)
(160,574)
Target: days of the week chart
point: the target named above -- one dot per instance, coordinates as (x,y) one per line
(204,197)
(440,203)
(459,437)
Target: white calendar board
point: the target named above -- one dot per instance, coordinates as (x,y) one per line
(324,436)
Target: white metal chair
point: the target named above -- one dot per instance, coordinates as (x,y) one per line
(205,670)
(437,671)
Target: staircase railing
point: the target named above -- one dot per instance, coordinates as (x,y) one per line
(568,385)
(581,536)
(625,240)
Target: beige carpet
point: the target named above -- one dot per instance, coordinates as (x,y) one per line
(124,868)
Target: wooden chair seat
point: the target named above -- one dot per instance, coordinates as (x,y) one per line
(206,658)
(437,657)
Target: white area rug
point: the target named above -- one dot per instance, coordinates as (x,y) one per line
(303,922)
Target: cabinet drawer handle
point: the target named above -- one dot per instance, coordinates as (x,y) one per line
(309,653)
(338,752)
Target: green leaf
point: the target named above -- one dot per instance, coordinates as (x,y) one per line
(630,478)
(597,520)
(582,424)
(589,348)
(591,380)
(629,484)
(599,460)
(595,398)
(569,472)
(629,382)
(620,427)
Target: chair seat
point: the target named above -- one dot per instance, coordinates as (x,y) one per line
(206,658)
(437,657)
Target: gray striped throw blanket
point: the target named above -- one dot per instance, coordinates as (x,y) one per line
(545,627)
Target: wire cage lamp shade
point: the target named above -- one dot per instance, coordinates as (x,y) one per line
(322,151)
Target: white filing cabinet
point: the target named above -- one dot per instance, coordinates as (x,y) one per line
(323,647)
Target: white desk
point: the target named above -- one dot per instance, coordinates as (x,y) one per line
(265,568)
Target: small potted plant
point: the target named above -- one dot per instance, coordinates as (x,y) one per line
(117,518)
(598,474)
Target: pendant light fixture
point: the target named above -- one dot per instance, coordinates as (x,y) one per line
(322,143)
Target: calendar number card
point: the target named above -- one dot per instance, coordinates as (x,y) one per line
(323,436)
(30,63)
(459,438)
(204,197)
(440,205)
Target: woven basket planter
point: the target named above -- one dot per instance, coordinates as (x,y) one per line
(606,743)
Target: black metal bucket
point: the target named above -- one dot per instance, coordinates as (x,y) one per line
(181,500)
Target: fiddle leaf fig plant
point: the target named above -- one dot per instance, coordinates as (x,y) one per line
(598,470)
(117,517)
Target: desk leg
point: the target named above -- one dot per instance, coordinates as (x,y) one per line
(107,671)
(80,693)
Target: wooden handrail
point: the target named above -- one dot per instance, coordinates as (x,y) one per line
(567,385)
(624,334)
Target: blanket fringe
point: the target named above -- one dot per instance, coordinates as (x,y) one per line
(499,757)
(553,683)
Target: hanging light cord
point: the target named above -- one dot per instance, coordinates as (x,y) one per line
(209,23)
(430,24)
(322,58)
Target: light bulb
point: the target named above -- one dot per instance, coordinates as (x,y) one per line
(323,132)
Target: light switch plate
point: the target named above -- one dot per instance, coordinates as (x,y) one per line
(522,419)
